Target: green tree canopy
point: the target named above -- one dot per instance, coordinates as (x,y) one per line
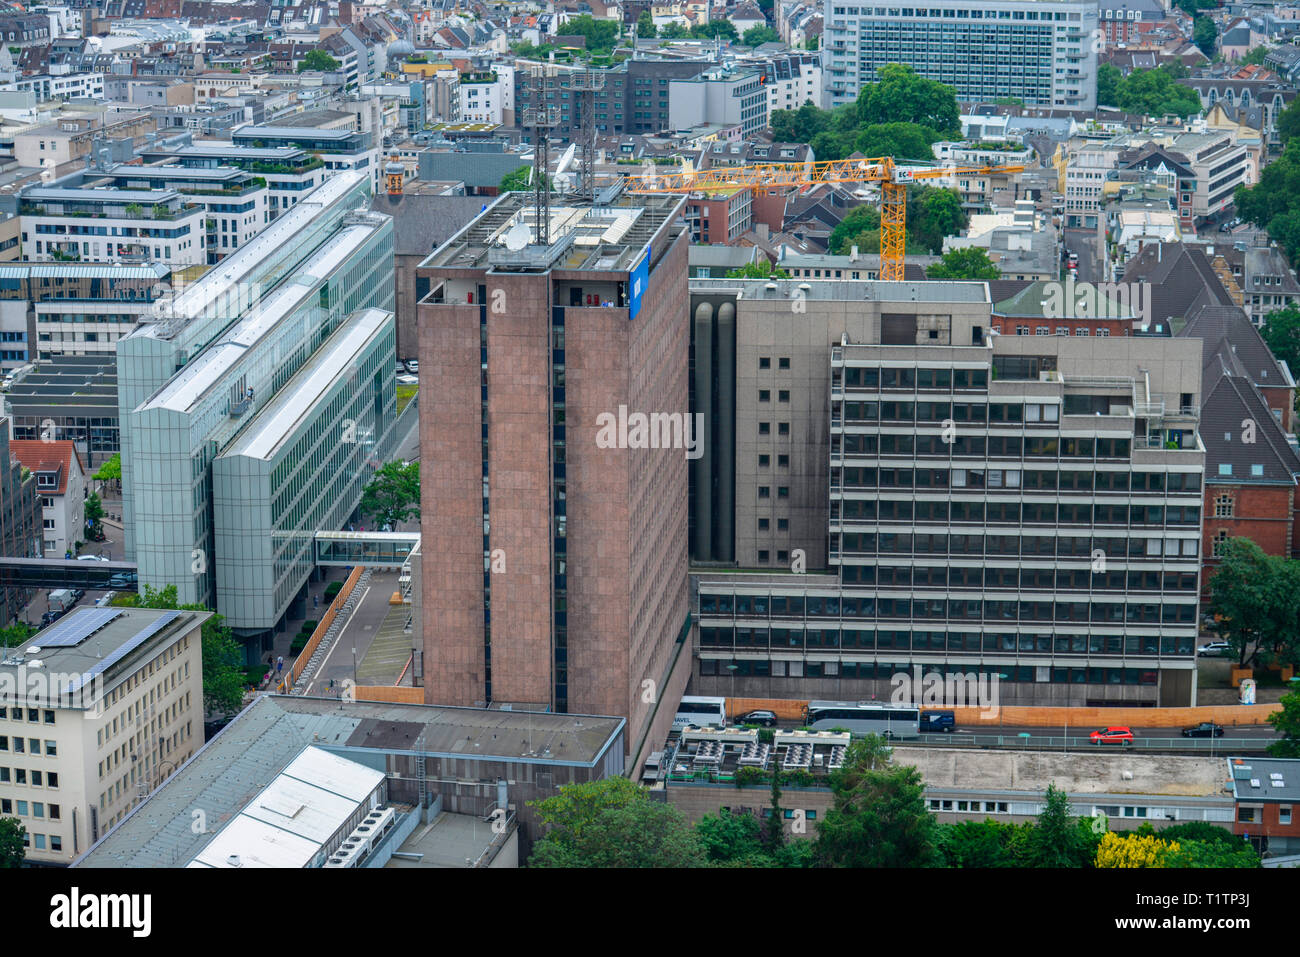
(393,495)
(1256,56)
(318,60)
(600,35)
(645,25)
(15,633)
(1281,330)
(11,842)
(877,819)
(801,125)
(1204,33)
(1288,121)
(860,227)
(730,835)
(1255,602)
(714,30)
(1146,92)
(968,262)
(110,470)
(987,843)
(902,96)
(762,269)
(674,31)
(899,140)
(756,36)
(1059,839)
(1286,723)
(612,823)
(1211,854)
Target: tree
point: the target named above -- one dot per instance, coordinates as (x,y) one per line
(600,36)
(730,835)
(1288,121)
(520,181)
(1204,33)
(15,633)
(1133,850)
(987,843)
(393,495)
(1255,57)
(1286,722)
(859,224)
(713,30)
(932,215)
(757,36)
(813,42)
(901,95)
(1201,832)
(319,61)
(110,470)
(94,511)
(762,269)
(899,140)
(968,262)
(1211,854)
(11,842)
(612,823)
(1281,331)
(776,819)
(645,25)
(1059,839)
(878,819)
(673,31)
(1108,81)
(1255,601)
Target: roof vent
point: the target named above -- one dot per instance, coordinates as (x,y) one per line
(233,861)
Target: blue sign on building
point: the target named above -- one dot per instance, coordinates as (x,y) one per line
(640,279)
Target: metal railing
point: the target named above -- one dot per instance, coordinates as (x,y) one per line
(1081,742)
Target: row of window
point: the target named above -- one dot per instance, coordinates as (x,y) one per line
(962,445)
(1083,481)
(937,380)
(37,809)
(941,642)
(940,543)
(28,745)
(1012,512)
(976,609)
(33,715)
(1020,674)
(32,776)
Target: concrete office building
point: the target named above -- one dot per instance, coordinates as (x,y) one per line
(1025,506)
(115,707)
(111,226)
(555,573)
(1039,51)
(20,522)
(78,395)
(213,365)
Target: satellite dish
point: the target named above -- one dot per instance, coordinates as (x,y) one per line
(518,236)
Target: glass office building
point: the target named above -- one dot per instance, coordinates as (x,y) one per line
(215,361)
(301,467)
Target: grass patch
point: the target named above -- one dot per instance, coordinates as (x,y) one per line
(405,393)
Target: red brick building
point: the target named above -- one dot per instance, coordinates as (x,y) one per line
(1252,474)
(1067,309)
(1266,798)
(554,569)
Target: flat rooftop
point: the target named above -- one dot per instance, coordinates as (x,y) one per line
(606,238)
(1265,779)
(294,133)
(236,275)
(236,765)
(89,642)
(59,194)
(268,154)
(184,390)
(449,840)
(300,398)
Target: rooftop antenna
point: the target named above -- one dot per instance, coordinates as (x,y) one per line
(542,117)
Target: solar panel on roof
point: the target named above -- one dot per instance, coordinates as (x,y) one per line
(75,629)
(122,651)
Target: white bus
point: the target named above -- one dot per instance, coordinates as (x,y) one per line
(703,712)
(887,720)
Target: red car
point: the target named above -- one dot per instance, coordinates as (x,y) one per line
(1112,736)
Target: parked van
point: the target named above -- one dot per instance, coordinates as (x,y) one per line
(61,599)
(933,721)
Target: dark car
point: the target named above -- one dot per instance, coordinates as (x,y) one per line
(1206,729)
(766,719)
(938,721)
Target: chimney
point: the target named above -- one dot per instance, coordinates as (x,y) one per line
(853,254)
(761,230)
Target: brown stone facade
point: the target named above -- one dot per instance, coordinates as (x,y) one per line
(626,530)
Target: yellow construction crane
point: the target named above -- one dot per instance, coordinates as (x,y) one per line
(892,177)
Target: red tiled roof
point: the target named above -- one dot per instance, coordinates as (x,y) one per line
(38,456)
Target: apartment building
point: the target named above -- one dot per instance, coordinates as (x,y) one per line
(1209,165)
(1123,21)
(75,398)
(719,215)
(720,97)
(96,711)
(1038,51)
(103,225)
(1020,506)
(290,173)
(212,366)
(556,573)
(790,80)
(338,149)
(61,485)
